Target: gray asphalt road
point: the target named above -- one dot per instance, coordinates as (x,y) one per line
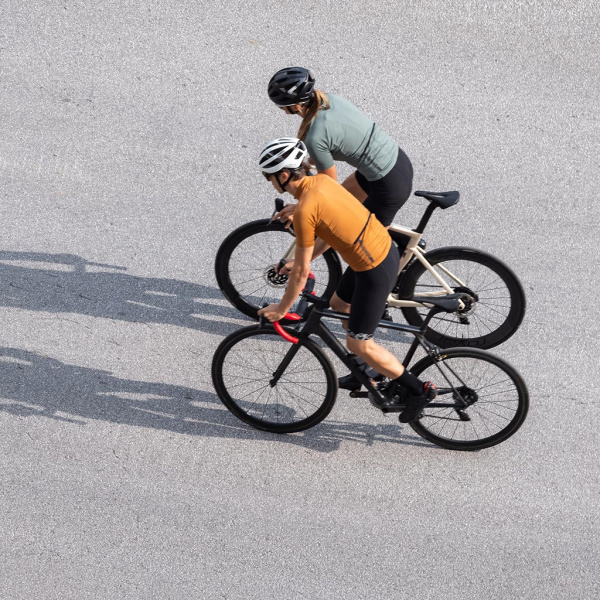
(129,136)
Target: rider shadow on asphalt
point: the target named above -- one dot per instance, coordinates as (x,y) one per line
(66,283)
(32,385)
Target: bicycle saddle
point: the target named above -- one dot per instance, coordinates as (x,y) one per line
(440,199)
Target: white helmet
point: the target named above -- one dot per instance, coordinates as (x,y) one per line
(282,153)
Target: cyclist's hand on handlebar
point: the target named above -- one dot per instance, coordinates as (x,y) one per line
(286,215)
(285,269)
(272,312)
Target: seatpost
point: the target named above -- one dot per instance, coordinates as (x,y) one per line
(425,218)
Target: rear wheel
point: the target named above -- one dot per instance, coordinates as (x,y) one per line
(245,375)
(488,400)
(245,266)
(498,300)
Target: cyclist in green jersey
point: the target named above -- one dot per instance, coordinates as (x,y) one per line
(333,129)
(336,130)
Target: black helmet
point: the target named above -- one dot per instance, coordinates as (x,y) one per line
(293,85)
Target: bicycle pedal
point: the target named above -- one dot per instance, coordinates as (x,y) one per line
(359,394)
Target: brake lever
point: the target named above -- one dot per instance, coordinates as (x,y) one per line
(279,206)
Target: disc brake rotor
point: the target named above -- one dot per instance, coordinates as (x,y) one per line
(275,279)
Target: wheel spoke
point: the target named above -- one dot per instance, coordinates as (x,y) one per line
(301,396)
(496,313)
(245,260)
(496,400)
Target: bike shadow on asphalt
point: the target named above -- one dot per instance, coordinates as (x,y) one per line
(70,284)
(66,283)
(33,385)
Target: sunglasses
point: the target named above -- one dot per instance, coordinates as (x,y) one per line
(267,175)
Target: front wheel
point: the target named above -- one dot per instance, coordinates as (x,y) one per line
(498,299)
(245,266)
(482,400)
(271,384)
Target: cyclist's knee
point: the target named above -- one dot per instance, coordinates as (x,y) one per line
(338,304)
(362,348)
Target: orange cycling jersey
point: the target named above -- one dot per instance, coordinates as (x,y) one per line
(327,210)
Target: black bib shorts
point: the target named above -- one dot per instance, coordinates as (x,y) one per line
(387,195)
(367,292)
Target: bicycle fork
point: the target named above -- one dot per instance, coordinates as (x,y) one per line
(287,359)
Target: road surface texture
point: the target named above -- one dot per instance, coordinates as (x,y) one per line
(128,147)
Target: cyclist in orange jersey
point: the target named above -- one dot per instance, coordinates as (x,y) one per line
(328,211)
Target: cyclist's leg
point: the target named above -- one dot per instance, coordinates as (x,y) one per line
(342,297)
(357,185)
(383,198)
(340,302)
(388,194)
(368,302)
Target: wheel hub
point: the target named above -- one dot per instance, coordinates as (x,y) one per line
(275,279)
(470,303)
(465,395)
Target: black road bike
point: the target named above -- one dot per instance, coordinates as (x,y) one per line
(284,387)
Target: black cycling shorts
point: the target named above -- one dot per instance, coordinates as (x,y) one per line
(387,195)
(367,292)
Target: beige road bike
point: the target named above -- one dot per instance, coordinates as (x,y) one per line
(245,269)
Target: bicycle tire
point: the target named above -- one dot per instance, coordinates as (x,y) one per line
(499,394)
(242,371)
(495,316)
(253,284)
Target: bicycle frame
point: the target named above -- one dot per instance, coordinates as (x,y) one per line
(314,326)
(412,251)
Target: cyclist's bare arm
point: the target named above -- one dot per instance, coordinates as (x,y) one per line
(331,172)
(286,215)
(297,281)
(319,247)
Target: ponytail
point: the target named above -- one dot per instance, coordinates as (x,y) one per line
(319,101)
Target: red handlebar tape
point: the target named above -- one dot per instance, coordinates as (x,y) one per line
(284,334)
